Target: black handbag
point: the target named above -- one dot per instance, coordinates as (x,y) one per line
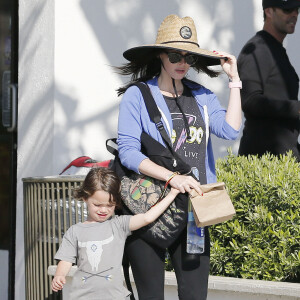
(140,192)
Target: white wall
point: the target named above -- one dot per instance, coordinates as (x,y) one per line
(35,108)
(67,101)
(91,36)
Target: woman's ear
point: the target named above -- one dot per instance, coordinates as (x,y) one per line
(159,55)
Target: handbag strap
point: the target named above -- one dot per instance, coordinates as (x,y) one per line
(112,149)
(154,114)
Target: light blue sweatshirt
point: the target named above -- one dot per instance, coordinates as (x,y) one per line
(134,119)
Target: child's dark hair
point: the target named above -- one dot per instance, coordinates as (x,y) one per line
(100,179)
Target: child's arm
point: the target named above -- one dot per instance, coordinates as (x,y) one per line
(140,220)
(59,279)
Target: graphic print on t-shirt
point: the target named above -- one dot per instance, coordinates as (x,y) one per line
(191,149)
(196,134)
(94,251)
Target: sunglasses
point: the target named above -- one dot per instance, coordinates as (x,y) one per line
(175,57)
(291,10)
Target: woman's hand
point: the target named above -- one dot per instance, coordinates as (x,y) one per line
(185,184)
(182,183)
(234,111)
(229,65)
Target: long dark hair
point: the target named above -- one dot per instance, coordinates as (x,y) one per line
(149,65)
(100,179)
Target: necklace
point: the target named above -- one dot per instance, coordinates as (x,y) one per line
(168,90)
(171,93)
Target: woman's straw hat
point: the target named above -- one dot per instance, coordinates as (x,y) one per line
(178,34)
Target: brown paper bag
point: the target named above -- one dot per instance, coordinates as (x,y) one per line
(213,207)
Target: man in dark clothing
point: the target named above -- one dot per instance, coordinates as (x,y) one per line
(270,85)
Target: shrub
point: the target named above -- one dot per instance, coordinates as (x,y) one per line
(263,240)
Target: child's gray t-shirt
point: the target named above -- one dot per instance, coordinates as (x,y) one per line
(99,248)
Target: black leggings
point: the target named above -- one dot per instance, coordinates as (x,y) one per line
(148,262)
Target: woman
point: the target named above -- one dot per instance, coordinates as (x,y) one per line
(190,112)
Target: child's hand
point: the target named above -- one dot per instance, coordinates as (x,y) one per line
(58,283)
(174,192)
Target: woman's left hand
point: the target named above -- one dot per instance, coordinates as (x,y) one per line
(229,65)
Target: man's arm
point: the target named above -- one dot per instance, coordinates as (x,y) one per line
(255,68)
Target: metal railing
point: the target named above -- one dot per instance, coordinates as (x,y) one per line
(49,210)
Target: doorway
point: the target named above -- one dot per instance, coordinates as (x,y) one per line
(8,142)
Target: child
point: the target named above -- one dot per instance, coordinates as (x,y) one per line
(97,244)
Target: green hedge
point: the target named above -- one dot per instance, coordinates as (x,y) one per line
(263,240)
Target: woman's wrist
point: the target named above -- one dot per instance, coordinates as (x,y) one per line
(235,84)
(170,177)
(235,78)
